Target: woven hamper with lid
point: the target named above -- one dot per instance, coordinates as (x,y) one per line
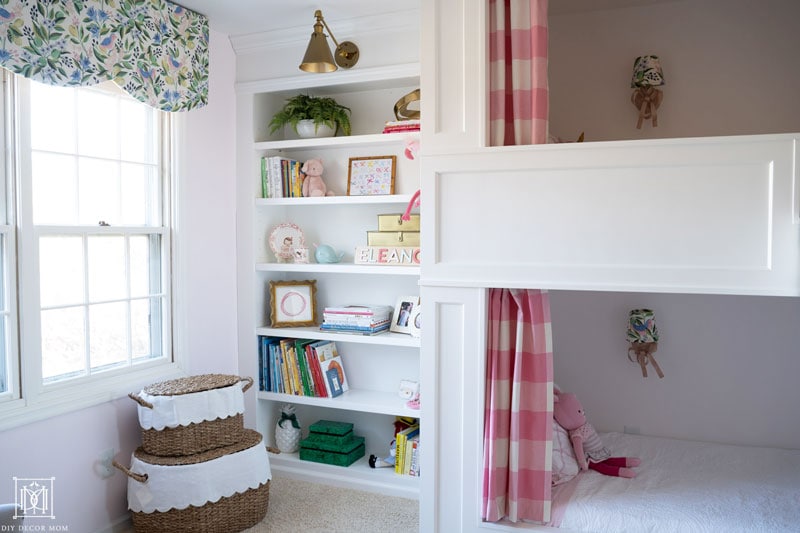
(218,491)
(191,415)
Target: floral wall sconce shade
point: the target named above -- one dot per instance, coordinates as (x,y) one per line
(647,75)
(643,335)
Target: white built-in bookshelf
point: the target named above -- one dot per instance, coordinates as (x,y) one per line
(374,364)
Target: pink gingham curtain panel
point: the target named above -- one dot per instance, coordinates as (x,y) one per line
(518,415)
(518,91)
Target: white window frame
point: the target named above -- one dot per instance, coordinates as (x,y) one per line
(28,398)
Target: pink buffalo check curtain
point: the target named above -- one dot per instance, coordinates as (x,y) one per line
(518,414)
(518,93)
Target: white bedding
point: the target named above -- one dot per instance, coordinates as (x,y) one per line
(686,486)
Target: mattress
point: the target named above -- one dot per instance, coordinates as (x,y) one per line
(685,486)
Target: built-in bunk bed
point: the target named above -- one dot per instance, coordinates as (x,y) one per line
(704,227)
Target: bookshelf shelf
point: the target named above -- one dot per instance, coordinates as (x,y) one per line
(383,339)
(340,268)
(350,141)
(365,401)
(384,480)
(399,199)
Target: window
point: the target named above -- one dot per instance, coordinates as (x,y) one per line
(91,219)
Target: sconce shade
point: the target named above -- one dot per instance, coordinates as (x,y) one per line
(647,72)
(642,326)
(318,57)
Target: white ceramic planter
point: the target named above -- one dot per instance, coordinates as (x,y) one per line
(306,130)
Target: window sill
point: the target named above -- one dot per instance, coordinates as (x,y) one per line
(65,398)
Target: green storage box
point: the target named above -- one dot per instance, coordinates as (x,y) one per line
(329,427)
(332,443)
(332,458)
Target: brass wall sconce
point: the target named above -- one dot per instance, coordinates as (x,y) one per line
(643,336)
(647,75)
(318,56)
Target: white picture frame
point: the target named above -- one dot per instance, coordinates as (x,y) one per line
(401,318)
(415,321)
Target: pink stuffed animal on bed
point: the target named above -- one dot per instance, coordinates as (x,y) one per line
(589,449)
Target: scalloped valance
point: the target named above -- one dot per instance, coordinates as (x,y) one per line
(155,50)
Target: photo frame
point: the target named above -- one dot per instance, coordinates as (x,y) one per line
(415,321)
(371,176)
(403,310)
(293,303)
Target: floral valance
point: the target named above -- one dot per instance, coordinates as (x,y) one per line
(155,50)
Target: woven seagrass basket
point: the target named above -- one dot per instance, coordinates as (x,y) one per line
(227,515)
(196,437)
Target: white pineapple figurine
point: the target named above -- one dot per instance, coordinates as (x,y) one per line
(287,430)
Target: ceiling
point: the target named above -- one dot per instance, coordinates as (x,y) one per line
(241,17)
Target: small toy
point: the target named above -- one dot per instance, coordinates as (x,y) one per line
(589,449)
(408,389)
(313,184)
(324,253)
(381,462)
(412,148)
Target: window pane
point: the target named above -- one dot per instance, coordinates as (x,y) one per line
(52,118)
(98,132)
(99,192)
(143,313)
(3,359)
(138,184)
(108,334)
(54,185)
(107,273)
(139,143)
(63,343)
(145,251)
(61,270)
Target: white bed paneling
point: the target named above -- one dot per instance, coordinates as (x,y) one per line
(711,215)
(452,396)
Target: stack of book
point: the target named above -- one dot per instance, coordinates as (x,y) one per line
(400,126)
(301,367)
(360,319)
(406,447)
(281,177)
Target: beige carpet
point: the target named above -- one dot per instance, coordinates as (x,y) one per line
(299,506)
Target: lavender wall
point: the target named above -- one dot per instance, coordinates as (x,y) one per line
(730,363)
(728,66)
(67,446)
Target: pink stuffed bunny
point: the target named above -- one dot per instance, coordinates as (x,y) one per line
(589,449)
(313,184)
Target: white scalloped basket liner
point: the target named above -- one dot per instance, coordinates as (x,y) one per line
(179,486)
(170,411)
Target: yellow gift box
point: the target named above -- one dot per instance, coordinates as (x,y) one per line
(393,222)
(393,238)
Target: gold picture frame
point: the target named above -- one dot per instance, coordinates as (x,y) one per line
(293,303)
(371,176)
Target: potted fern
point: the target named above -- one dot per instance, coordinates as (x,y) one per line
(312,116)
